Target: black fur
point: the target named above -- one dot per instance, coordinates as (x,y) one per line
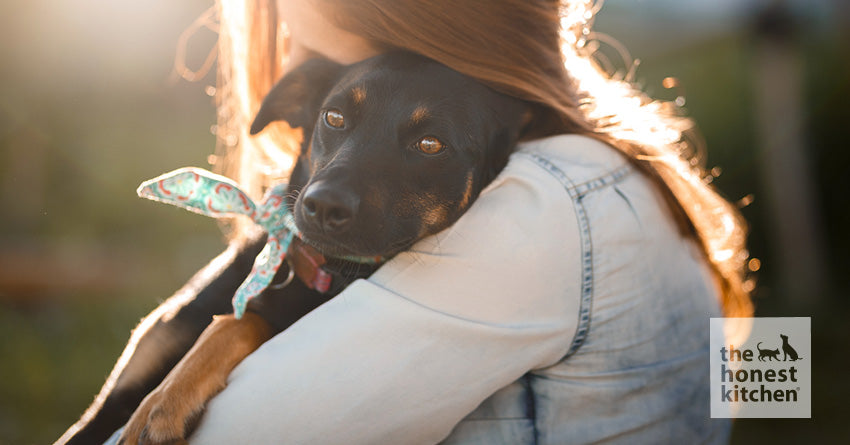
(377,194)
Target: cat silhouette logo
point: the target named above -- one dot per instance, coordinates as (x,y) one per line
(754,369)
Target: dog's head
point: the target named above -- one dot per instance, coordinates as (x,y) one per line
(401,146)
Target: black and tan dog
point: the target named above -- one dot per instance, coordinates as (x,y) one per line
(401,146)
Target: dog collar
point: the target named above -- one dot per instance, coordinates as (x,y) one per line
(213,195)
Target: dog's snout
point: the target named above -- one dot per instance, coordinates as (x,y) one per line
(328,207)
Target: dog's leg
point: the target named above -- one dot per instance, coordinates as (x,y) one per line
(159,342)
(165,414)
(168,414)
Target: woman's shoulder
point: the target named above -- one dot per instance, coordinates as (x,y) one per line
(582,158)
(570,160)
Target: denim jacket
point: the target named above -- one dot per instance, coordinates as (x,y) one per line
(637,368)
(564,307)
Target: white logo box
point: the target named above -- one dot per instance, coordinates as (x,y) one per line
(756,372)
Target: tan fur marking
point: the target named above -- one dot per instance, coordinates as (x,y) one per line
(358,94)
(433,212)
(435,217)
(419,114)
(467,194)
(200,375)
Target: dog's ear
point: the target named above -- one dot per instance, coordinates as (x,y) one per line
(297,96)
(512,117)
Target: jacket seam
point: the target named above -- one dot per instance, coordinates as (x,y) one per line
(531,408)
(577,192)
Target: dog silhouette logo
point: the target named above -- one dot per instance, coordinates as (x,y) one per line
(788,350)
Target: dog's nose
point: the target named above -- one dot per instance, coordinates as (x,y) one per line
(329,207)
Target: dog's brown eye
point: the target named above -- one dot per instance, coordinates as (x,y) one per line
(334,118)
(430,145)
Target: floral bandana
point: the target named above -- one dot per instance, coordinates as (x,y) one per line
(204,192)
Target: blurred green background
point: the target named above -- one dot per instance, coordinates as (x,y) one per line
(90,107)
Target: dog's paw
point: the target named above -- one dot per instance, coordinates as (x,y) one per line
(171,411)
(159,420)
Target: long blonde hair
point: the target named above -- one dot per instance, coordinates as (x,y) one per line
(538,50)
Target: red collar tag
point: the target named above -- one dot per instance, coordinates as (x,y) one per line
(307,263)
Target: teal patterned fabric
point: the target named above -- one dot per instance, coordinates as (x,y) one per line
(207,193)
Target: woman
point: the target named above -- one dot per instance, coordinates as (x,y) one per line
(569,305)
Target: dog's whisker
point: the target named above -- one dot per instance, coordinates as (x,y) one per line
(293,193)
(417,258)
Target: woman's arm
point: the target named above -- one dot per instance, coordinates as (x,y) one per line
(404,356)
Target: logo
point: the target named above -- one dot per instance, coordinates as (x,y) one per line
(766,373)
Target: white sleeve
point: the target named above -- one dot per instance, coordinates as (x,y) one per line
(403,356)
